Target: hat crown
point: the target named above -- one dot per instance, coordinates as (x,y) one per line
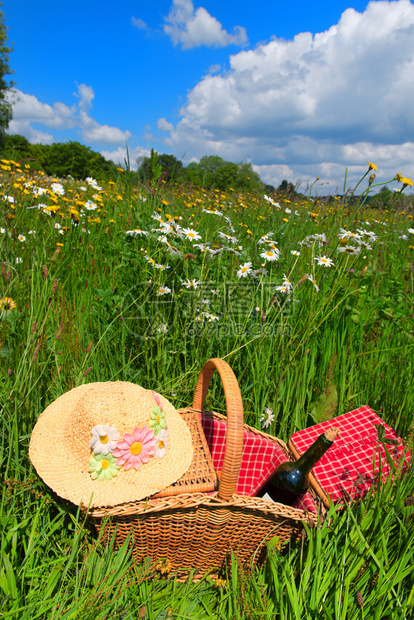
(118,404)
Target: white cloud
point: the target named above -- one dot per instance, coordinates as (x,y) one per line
(139,23)
(120,156)
(27,109)
(338,98)
(164,125)
(193,28)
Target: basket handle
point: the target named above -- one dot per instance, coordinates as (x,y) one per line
(235,428)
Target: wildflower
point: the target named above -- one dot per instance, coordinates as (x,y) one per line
(7,303)
(265,238)
(283,289)
(192,283)
(136,448)
(103,467)
(324,261)
(267,417)
(2,231)
(18,260)
(161,267)
(104,439)
(163,328)
(244,270)
(57,188)
(161,444)
(227,237)
(311,279)
(163,290)
(350,249)
(404,237)
(259,272)
(372,166)
(90,206)
(157,217)
(201,246)
(32,232)
(295,252)
(271,254)
(137,231)
(212,212)
(92,183)
(405,181)
(411,231)
(210,317)
(191,234)
(275,204)
(21,238)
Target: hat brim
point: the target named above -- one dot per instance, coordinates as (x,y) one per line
(63,465)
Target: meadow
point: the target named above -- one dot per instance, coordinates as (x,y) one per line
(309,300)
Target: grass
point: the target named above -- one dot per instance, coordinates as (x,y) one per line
(80,302)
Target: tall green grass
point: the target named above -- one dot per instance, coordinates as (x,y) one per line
(86,310)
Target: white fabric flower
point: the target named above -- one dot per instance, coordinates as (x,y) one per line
(161,444)
(104,439)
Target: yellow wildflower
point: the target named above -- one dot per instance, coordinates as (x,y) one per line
(372,166)
(7,303)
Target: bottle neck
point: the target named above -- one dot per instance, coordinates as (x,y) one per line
(312,455)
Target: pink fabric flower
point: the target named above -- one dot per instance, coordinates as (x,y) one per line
(136,448)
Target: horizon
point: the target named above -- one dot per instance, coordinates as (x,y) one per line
(298,98)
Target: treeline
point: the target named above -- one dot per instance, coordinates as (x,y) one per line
(62,159)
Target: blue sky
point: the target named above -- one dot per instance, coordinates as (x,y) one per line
(300,89)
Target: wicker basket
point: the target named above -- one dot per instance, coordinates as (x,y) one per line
(192,525)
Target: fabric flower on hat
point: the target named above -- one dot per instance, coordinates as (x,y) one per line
(161,444)
(103,467)
(136,448)
(157,421)
(104,439)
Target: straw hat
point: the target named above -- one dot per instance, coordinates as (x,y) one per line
(105,444)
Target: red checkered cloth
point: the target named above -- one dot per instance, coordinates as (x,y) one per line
(346,470)
(259,460)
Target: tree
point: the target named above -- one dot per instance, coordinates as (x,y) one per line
(5,105)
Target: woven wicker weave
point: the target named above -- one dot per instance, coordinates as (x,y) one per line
(197,530)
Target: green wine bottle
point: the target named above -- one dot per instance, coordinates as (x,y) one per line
(292,476)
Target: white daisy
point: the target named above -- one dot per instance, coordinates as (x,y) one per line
(223,235)
(275,204)
(57,188)
(411,231)
(137,231)
(270,254)
(104,439)
(21,238)
(267,417)
(92,183)
(324,261)
(311,279)
(295,252)
(191,234)
(90,206)
(163,290)
(192,283)
(18,260)
(244,270)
